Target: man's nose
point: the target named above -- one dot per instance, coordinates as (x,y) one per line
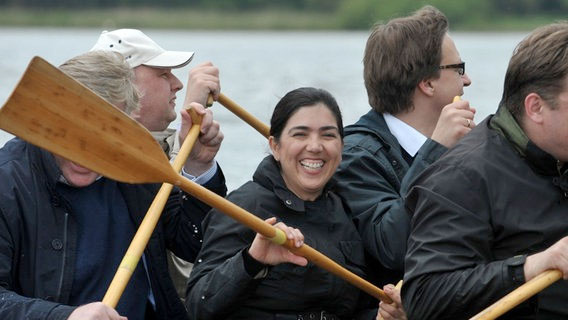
(466,80)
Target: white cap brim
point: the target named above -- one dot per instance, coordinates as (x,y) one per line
(170,59)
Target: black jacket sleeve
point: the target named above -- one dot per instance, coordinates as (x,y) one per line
(450,270)
(219,279)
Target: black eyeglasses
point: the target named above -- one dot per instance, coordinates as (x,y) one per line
(460,67)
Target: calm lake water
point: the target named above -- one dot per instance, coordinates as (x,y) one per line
(257,68)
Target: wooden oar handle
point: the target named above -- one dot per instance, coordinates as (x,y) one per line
(269,231)
(209,101)
(245,115)
(519,295)
(142,236)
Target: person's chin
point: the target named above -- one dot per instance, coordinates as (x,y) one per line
(81,181)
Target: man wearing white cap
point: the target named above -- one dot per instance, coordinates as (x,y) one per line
(158,87)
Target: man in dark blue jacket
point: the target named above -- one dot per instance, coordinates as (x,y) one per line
(64,228)
(412,72)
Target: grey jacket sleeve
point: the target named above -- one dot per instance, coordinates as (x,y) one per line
(219,281)
(450,271)
(368,182)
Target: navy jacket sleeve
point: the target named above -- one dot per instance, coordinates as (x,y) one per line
(13,305)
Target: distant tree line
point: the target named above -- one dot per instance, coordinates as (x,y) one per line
(221,4)
(354,14)
(500,6)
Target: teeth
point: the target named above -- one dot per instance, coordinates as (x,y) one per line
(312,165)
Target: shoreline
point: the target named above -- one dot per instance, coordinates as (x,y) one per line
(209,19)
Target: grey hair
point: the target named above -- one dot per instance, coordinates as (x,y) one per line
(108,74)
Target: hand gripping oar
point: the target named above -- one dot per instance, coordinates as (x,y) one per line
(140,240)
(53,111)
(398,286)
(245,115)
(517,296)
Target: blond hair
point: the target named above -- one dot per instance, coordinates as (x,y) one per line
(106,73)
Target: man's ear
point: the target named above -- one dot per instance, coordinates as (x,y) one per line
(534,106)
(426,87)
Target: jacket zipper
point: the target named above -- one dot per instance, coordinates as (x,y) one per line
(60,286)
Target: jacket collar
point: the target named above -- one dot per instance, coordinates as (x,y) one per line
(506,125)
(373,123)
(268,175)
(165,139)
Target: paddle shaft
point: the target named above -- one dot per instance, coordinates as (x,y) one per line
(142,236)
(244,115)
(277,236)
(517,296)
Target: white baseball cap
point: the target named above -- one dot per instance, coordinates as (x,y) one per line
(139,49)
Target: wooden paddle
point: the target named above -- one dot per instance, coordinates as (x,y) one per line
(245,115)
(55,112)
(517,296)
(140,240)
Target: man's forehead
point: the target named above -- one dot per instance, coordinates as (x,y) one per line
(450,53)
(149,69)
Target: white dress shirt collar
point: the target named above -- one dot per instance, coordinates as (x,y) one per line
(409,138)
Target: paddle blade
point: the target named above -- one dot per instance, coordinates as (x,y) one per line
(57,113)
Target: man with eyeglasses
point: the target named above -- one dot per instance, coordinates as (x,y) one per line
(412,73)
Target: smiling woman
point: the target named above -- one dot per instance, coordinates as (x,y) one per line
(242,275)
(306,141)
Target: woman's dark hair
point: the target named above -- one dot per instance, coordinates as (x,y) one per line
(298,98)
